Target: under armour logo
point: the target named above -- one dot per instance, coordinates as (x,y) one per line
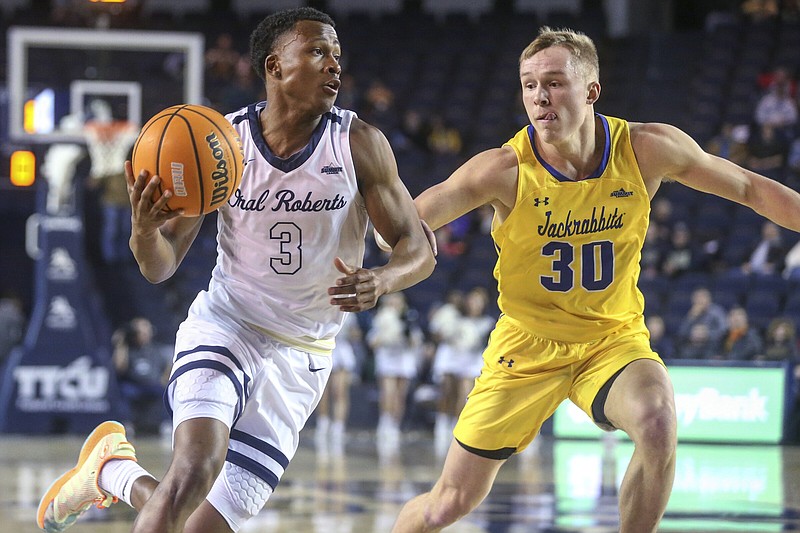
(543,201)
(503,361)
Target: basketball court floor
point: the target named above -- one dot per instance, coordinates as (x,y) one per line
(557,486)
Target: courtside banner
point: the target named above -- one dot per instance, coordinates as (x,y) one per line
(714,403)
(740,480)
(60,379)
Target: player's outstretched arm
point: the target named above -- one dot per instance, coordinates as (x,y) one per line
(392,212)
(666,151)
(159,239)
(490,177)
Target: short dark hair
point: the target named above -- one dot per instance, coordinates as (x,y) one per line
(262,40)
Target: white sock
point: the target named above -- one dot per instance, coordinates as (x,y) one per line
(117,477)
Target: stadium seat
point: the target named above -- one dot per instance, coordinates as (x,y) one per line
(678,301)
(762,307)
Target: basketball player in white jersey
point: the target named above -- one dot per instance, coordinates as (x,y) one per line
(253,356)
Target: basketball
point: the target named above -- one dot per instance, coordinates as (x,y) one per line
(196,152)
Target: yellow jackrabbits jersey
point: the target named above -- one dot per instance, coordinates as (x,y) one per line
(569,251)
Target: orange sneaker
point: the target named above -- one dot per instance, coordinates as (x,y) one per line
(77,490)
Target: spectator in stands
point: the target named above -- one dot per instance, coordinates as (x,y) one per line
(780,74)
(116,216)
(769,254)
(109,142)
(662,214)
(652,253)
(12,324)
(730,143)
(741,342)
(781,346)
(778,109)
(396,340)
(781,342)
(142,366)
(660,342)
(679,255)
(704,311)
(220,67)
(443,139)
(222,58)
(379,106)
(412,133)
(791,269)
(766,152)
(334,406)
(242,89)
(698,344)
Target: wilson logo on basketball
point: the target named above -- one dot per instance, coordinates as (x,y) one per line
(220,175)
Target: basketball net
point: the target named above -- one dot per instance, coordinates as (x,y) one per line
(109,145)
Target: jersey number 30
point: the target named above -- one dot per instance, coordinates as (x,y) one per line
(596,266)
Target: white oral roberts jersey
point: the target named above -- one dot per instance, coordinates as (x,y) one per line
(280,232)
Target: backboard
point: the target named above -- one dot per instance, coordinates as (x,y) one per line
(55,73)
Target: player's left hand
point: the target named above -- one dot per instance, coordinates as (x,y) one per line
(356,291)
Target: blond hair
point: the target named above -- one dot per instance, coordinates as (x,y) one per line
(579,45)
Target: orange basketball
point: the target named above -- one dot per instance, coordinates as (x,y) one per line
(197,154)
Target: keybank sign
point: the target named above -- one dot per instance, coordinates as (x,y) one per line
(709,405)
(714,404)
(76,388)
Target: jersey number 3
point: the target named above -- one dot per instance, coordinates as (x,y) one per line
(596,266)
(290,256)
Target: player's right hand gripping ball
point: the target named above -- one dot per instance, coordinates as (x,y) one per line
(196,152)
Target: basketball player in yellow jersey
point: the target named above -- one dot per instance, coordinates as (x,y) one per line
(571,197)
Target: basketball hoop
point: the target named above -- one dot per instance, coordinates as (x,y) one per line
(109,145)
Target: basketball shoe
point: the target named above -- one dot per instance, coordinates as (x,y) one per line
(77,490)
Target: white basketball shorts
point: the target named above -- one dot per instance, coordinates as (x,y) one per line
(262,389)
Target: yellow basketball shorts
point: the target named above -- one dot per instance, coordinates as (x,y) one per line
(525,378)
